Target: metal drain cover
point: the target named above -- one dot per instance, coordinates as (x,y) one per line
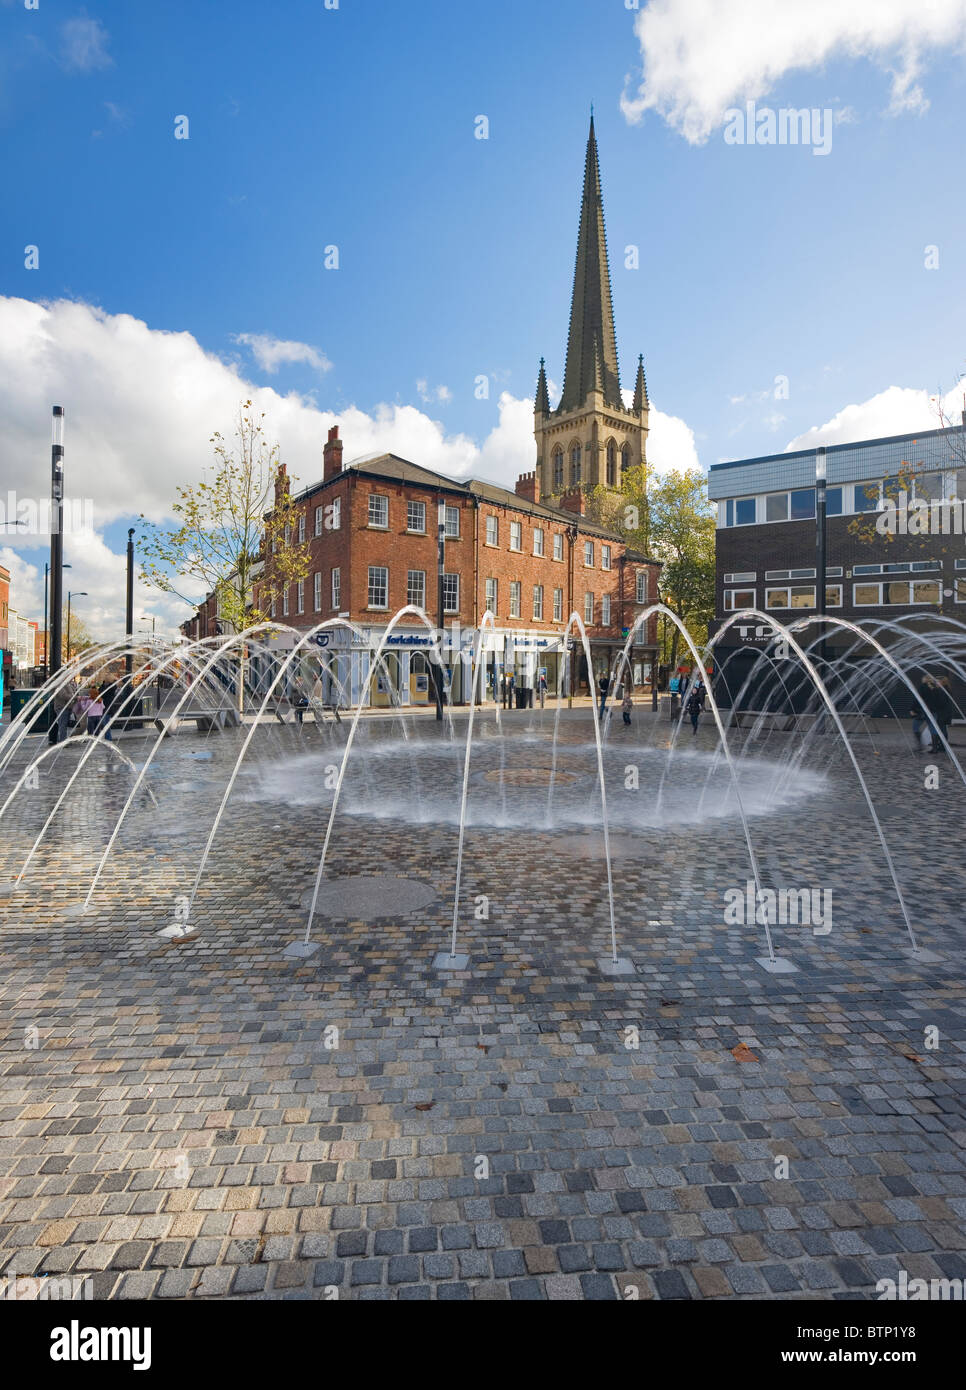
(369,896)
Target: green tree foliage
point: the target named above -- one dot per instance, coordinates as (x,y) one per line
(226,525)
(668,517)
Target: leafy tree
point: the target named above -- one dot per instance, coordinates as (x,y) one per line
(683,538)
(627,511)
(669,518)
(80,636)
(225,526)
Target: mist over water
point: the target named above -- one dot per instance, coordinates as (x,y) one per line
(419,781)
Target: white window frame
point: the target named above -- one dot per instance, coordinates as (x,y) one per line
(588,550)
(336,587)
(336,505)
(605,557)
(538,542)
(451,523)
(285,602)
(377,569)
(640,586)
(492,592)
(558,546)
(421,511)
(731,594)
(516,535)
(451,585)
(300,596)
(301,528)
(605,610)
(589,601)
(492,530)
(558,605)
(788,590)
(419,602)
(538,603)
(317,591)
(378,497)
(515,598)
(910,583)
(319,520)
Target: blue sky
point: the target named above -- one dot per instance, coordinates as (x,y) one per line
(355,127)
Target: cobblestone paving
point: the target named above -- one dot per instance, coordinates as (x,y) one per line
(181,1124)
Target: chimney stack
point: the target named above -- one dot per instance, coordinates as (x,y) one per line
(574,501)
(332,455)
(281,483)
(528,486)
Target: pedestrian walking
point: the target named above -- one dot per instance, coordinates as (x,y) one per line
(542,684)
(693,708)
(945,709)
(920,716)
(61,713)
(627,705)
(603,686)
(79,712)
(95,716)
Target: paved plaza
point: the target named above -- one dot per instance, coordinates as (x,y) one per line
(208,1118)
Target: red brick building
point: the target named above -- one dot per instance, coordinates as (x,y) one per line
(531,557)
(372,531)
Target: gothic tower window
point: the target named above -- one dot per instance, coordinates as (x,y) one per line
(575,466)
(611,463)
(625,457)
(558,470)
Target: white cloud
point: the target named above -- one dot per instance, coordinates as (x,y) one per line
(897,410)
(701,57)
(271,353)
(430,395)
(141,405)
(83,45)
(670,443)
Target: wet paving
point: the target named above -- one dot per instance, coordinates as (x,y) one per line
(212,1118)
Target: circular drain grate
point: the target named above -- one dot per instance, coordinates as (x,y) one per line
(530,777)
(369,896)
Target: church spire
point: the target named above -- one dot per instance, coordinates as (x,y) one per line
(591,311)
(640,389)
(543,395)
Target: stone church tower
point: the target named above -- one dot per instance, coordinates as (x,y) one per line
(591,438)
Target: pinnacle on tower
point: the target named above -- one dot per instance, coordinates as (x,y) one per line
(542,402)
(640,389)
(591,310)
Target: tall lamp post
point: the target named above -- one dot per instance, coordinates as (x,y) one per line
(821,539)
(144,618)
(64,566)
(80,593)
(129,611)
(56,536)
(440,567)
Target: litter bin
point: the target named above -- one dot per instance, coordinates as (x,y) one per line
(19,699)
(521,695)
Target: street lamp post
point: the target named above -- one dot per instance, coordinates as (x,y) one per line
(821,538)
(80,593)
(56,535)
(64,566)
(144,617)
(440,566)
(129,611)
